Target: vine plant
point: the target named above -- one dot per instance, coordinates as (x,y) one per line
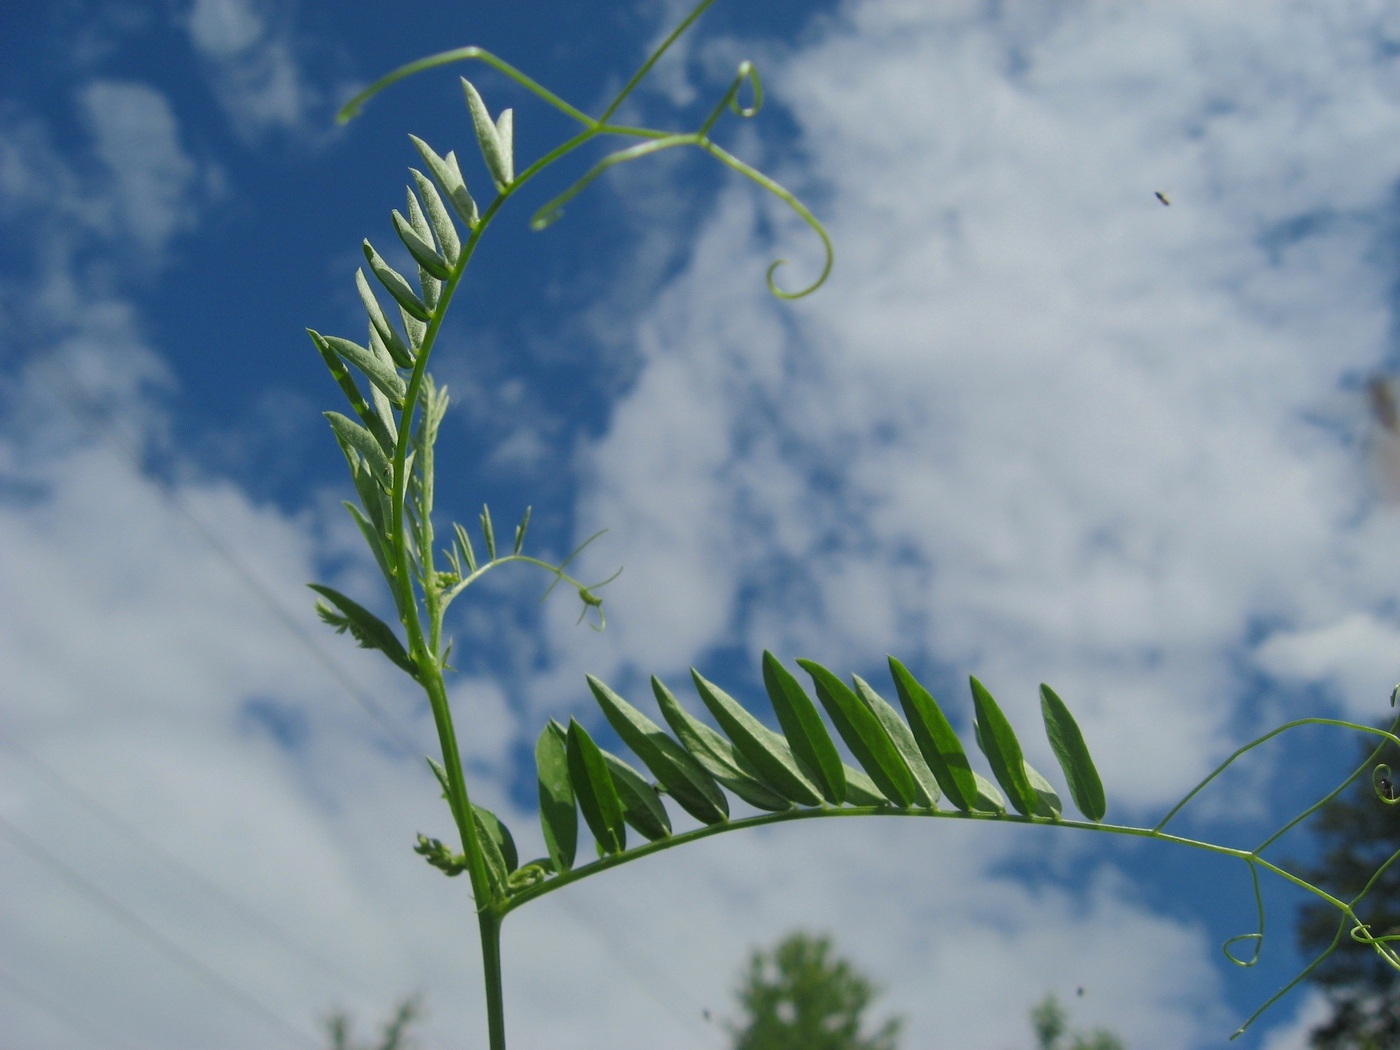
(909,760)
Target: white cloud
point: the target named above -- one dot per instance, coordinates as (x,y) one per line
(1038,426)
(253,65)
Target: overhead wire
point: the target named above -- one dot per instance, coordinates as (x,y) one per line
(101,1035)
(246,913)
(79,405)
(184,959)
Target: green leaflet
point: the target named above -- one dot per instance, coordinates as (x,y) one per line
(495,139)
(464,545)
(766,751)
(388,430)
(558,815)
(422,250)
(520,530)
(371,535)
(1072,753)
(395,285)
(347,385)
(594,789)
(926,793)
(379,371)
(684,779)
(1048,802)
(936,739)
(488,533)
(356,437)
(715,753)
(496,872)
(641,805)
(988,797)
(864,735)
(498,835)
(998,742)
(366,628)
(443,226)
(861,790)
(387,332)
(806,732)
(448,174)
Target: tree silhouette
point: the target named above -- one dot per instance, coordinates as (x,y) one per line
(801,996)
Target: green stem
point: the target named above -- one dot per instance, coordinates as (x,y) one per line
(489,922)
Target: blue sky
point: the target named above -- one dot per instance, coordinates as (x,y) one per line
(1037,427)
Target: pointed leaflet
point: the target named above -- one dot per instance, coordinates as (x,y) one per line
(443,226)
(936,739)
(715,753)
(366,628)
(684,779)
(864,735)
(488,533)
(558,815)
(423,252)
(494,139)
(926,793)
(499,836)
(448,174)
(520,530)
(998,742)
(766,751)
(353,436)
(395,285)
(861,790)
(641,806)
(594,789)
(805,731)
(1048,802)
(1067,742)
(387,332)
(379,371)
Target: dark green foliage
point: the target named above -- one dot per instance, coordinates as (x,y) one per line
(1050,1021)
(1358,832)
(801,996)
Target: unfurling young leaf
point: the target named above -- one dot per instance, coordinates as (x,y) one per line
(716,754)
(423,252)
(593,787)
(488,533)
(443,226)
(499,835)
(805,730)
(395,285)
(496,870)
(864,735)
(558,814)
(684,779)
(1072,753)
(366,628)
(766,751)
(448,174)
(387,332)
(494,138)
(998,742)
(641,806)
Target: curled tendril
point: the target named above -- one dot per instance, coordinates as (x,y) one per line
(1258,937)
(1361,934)
(1384,785)
(730,101)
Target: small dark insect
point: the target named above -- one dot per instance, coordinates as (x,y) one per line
(1163,198)
(1387,787)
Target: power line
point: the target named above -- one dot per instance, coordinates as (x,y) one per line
(246,913)
(79,405)
(143,929)
(58,1009)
